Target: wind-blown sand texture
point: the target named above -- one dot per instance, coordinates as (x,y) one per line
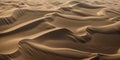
(66,30)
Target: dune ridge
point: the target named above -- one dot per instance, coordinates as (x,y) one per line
(72,31)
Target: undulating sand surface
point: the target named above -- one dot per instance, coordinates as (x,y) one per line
(59,30)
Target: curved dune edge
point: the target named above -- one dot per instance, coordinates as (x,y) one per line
(60,51)
(25,32)
(21,25)
(68,6)
(81,4)
(80,18)
(111,30)
(59,15)
(53,51)
(37,46)
(18,26)
(18,15)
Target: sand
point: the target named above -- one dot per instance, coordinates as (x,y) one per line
(59,30)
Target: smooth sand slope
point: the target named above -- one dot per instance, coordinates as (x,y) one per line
(71,31)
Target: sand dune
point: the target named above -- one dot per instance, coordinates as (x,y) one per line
(80,7)
(109,32)
(72,30)
(19,16)
(81,4)
(52,51)
(27,30)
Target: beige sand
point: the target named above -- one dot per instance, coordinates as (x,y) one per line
(72,30)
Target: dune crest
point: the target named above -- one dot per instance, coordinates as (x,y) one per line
(53,30)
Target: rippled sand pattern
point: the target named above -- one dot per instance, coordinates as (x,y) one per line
(59,30)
